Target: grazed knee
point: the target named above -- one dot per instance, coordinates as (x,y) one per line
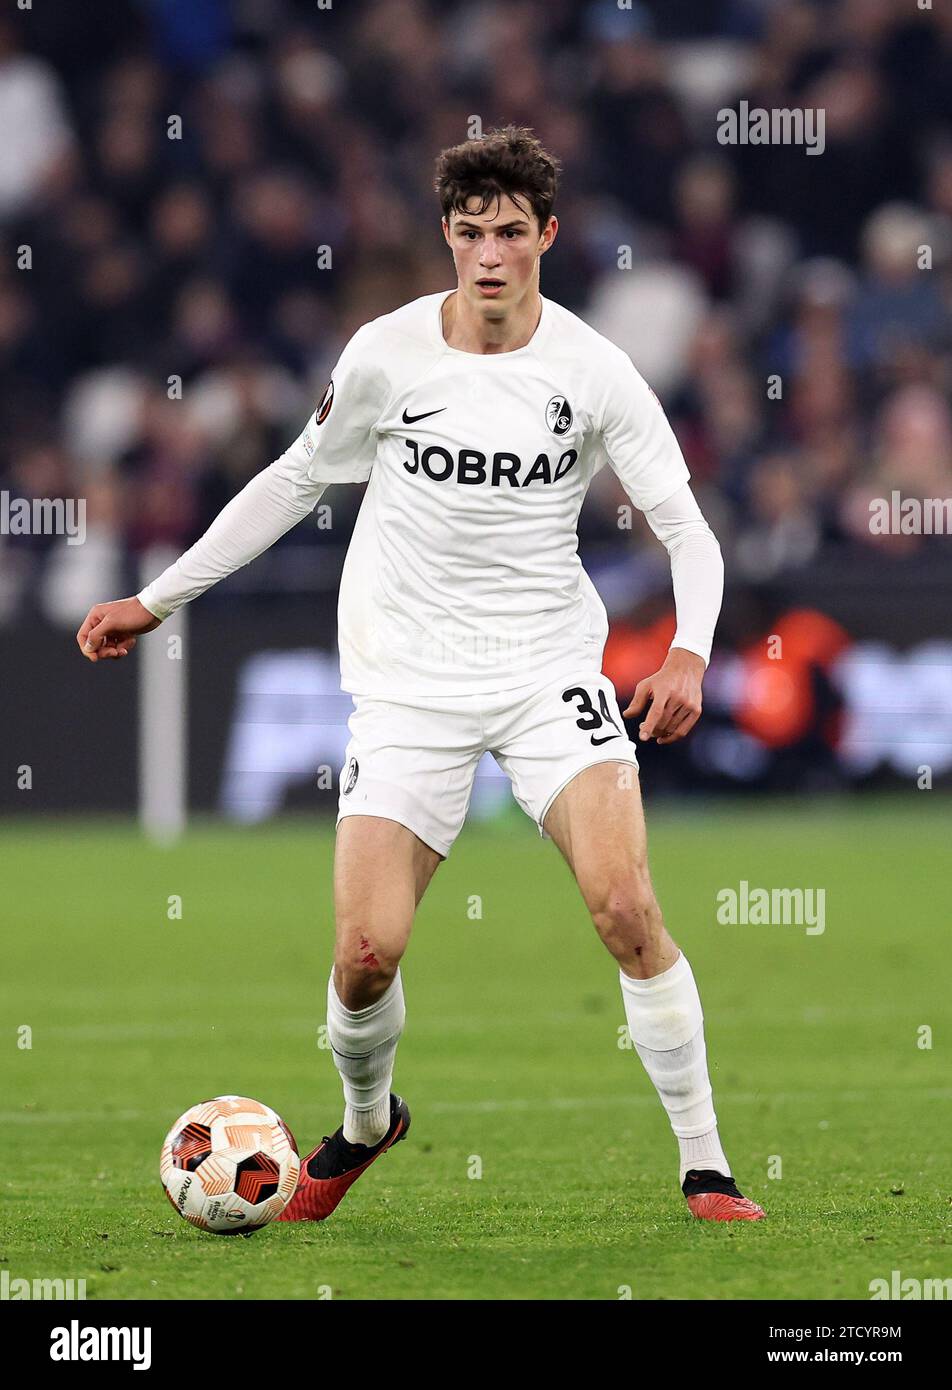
(363,970)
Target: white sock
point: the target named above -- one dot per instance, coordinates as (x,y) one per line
(364,1045)
(666,1024)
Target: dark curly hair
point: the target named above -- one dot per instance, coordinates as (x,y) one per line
(510,161)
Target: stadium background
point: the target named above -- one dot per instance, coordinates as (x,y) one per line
(139,977)
(190,284)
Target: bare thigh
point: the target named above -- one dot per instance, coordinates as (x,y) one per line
(598,823)
(381,871)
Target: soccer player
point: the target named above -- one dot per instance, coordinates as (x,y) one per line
(480,415)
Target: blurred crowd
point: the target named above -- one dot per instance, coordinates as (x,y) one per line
(200,201)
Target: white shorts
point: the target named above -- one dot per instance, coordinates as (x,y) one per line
(415,762)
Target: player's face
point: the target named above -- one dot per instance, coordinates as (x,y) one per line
(497,252)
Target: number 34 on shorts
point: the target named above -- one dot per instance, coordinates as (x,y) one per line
(595,719)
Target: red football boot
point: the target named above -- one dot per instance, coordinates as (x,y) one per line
(712,1197)
(329,1171)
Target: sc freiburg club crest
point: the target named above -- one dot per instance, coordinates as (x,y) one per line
(558,415)
(324,409)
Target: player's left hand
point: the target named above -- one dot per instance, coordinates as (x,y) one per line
(674,693)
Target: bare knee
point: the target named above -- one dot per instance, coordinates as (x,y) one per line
(627,916)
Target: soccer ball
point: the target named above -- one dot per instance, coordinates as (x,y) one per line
(229,1165)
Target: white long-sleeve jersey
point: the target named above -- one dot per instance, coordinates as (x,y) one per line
(463,574)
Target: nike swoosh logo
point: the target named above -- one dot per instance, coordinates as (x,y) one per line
(608,738)
(412,419)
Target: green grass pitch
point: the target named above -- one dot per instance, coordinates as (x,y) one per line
(510,1062)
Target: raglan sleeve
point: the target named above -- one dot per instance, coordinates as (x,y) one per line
(337,445)
(339,442)
(635,434)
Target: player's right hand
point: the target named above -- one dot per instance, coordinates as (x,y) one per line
(110,629)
